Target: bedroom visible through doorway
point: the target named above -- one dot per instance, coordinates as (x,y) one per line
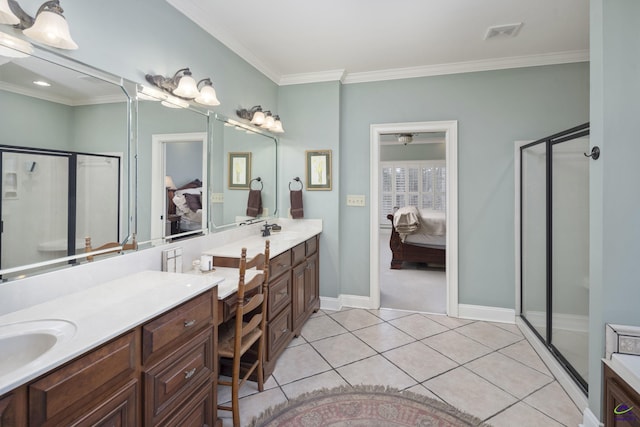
(413,168)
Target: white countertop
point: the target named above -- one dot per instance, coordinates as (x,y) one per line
(227,279)
(103,312)
(279,242)
(627,366)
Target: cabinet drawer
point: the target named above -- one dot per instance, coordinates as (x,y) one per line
(81,382)
(279,295)
(311,246)
(170,381)
(279,333)
(197,412)
(177,324)
(298,254)
(279,264)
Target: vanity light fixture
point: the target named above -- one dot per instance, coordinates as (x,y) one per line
(264,119)
(183,86)
(48,27)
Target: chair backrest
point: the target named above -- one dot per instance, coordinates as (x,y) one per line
(117,247)
(256,305)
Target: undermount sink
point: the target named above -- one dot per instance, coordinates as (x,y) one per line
(23,342)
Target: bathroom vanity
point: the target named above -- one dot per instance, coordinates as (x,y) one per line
(141,351)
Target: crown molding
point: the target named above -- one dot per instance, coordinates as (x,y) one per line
(197,15)
(469,66)
(322,76)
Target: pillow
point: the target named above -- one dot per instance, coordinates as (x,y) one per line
(193,201)
(197,191)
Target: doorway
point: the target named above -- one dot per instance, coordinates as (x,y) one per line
(448,132)
(166,221)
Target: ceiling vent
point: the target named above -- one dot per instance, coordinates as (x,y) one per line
(503,31)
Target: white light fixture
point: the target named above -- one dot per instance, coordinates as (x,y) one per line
(42,83)
(49,26)
(13,47)
(268,120)
(182,85)
(168,182)
(6,15)
(263,119)
(187,87)
(277,125)
(207,93)
(405,138)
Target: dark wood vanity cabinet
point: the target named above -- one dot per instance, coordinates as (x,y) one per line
(618,396)
(305,278)
(160,373)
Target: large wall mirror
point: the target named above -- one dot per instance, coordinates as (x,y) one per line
(173,142)
(64,161)
(242,158)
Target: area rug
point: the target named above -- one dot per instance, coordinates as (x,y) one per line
(364,406)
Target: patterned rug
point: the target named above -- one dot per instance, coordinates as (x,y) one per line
(363,406)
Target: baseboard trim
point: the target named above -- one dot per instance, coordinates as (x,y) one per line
(331,304)
(486,313)
(589,419)
(353,301)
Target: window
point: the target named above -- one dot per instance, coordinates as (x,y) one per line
(422,184)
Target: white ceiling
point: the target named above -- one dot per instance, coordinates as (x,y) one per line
(297,41)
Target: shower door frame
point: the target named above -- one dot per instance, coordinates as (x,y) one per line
(567,135)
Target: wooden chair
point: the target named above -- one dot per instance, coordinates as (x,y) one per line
(247,331)
(117,247)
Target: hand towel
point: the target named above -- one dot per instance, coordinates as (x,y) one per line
(254,204)
(296,204)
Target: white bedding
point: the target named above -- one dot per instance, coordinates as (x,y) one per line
(189,219)
(431,232)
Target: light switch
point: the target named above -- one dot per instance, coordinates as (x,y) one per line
(217,197)
(355,200)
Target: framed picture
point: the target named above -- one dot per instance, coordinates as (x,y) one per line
(318,169)
(239,171)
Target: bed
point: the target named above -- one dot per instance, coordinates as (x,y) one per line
(417,235)
(186,203)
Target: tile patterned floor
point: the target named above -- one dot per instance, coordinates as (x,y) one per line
(486,369)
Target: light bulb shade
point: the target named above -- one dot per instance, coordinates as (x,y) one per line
(208,96)
(277,126)
(268,121)
(187,87)
(168,182)
(13,47)
(258,117)
(6,15)
(51,28)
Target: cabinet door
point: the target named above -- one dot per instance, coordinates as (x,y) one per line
(13,408)
(119,409)
(298,293)
(618,397)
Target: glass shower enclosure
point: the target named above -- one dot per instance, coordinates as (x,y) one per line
(554,239)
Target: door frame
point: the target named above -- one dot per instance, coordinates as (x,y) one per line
(450,128)
(158,167)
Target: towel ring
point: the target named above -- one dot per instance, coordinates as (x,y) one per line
(299,182)
(258,179)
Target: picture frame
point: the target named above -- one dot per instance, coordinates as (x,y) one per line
(239,170)
(318,169)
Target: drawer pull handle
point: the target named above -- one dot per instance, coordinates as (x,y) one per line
(189,323)
(188,374)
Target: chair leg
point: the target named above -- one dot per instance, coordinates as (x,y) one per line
(235,403)
(260,368)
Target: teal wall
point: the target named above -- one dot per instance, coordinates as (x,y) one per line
(493,109)
(311,117)
(432,151)
(614,207)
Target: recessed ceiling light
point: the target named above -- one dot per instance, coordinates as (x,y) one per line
(41,83)
(503,31)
